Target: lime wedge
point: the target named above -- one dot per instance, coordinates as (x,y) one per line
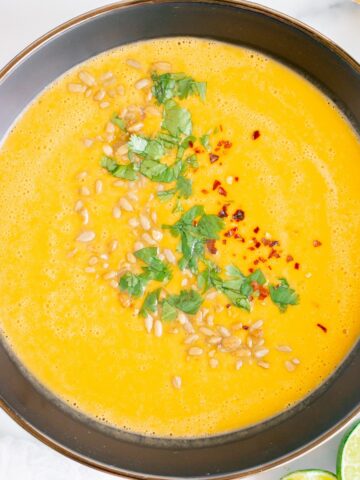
(309,475)
(348,460)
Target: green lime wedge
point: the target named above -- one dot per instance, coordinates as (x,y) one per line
(348,460)
(309,475)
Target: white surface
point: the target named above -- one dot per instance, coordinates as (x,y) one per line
(22,21)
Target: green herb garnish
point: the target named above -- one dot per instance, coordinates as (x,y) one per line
(282,295)
(116,120)
(176,120)
(128,172)
(205,142)
(188,301)
(150,303)
(170,85)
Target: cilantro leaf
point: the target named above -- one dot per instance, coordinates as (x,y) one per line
(116,120)
(282,295)
(150,303)
(188,301)
(168,311)
(133,284)
(169,85)
(184,186)
(205,141)
(209,226)
(159,172)
(166,195)
(146,147)
(177,120)
(128,172)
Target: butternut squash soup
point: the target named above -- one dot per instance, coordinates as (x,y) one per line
(179,238)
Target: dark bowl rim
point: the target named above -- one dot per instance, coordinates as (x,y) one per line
(62,28)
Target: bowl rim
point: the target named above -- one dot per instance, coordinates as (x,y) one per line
(122,4)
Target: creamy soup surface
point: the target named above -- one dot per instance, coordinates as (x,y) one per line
(228,318)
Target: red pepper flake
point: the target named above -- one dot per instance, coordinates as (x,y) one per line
(274,254)
(256,230)
(231,232)
(222,191)
(263,292)
(236,179)
(289,258)
(265,241)
(251,270)
(216,184)
(245,327)
(191,144)
(251,248)
(256,262)
(210,244)
(224,241)
(239,215)
(223,212)
(213,158)
(256,134)
(257,245)
(195,223)
(324,329)
(198,150)
(317,243)
(297,266)
(224,143)
(274,243)
(205,192)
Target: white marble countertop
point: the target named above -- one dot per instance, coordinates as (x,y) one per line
(22,21)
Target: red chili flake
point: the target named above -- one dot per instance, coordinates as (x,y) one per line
(239,215)
(205,192)
(191,144)
(231,232)
(317,243)
(198,150)
(213,158)
(251,270)
(223,212)
(256,134)
(274,243)
(222,191)
(257,245)
(245,327)
(195,223)
(224,241)
(262,259)
(216,184)
(289,258)
(236,179)
(265,241)
(256,262)
(256,230)
(251,248)
(274,254)
(297,266)
(324,329)
(224,143)
(210,244)
(263,292)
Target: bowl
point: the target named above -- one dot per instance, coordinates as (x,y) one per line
(234,454)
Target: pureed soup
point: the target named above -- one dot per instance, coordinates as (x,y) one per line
(179,238)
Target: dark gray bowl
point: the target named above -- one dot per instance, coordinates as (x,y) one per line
(232,455)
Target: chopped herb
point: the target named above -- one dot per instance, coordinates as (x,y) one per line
(128,172)
(155,270)
(159,172)
(205,142)
(193,235)
(166,195)
(168,311)
(192,161)
(146,147)
(170,85)
(188,301)
(178,207)
(150,303)
(184,186)
(282,295)
(116,120)
(177,120)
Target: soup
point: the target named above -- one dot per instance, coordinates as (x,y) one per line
(178,249)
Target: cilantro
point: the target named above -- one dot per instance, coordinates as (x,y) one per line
(146,147)
(192,161)
(127,172)
(205,142)
(159,172)
(116,120)
(176,120)
(184,186)
(282,295)
(169,85)
(188,301)
(150,303)
(178,207)
(133,284)
(155,269)
(193,236)
(166,195)
(168,311)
